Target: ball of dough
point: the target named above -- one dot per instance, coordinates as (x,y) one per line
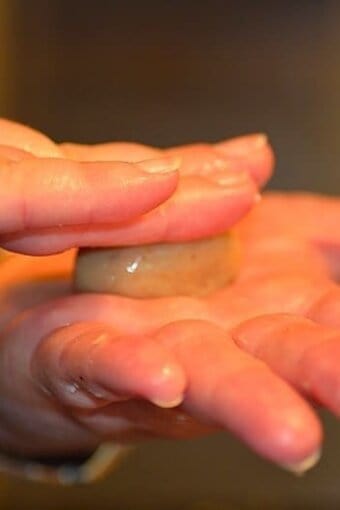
(194,268)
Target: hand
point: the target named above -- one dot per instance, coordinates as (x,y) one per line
(30,401)
(52,199)
(283,310)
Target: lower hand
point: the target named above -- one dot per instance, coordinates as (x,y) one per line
(77,370)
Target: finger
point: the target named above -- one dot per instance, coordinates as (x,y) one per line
(29,140)
(251,154)
(89,365)
(43,193)
(200,207)
(304,353)
(21,344)
(115,151)
(10,154)
(86,364)
(232,389)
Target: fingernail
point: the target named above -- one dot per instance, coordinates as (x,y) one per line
(301,467)
(161,165)
(166,404)
(242,145)
(259,141)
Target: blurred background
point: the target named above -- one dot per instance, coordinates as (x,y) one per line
(168,72)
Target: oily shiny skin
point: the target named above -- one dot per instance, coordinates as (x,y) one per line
(195,268)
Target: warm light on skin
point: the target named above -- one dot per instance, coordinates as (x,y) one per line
(24,268)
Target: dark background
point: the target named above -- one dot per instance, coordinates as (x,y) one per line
(167,72)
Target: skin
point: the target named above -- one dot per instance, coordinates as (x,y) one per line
(58,202)
(77,370)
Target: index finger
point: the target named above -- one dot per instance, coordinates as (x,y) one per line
(54,192)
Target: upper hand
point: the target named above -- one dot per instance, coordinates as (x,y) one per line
(57,197)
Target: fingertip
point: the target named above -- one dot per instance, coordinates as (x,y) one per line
(284,429)
(145,369)
(299,448)
(300,468)
(167,386)
(251,153)
(242,145)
